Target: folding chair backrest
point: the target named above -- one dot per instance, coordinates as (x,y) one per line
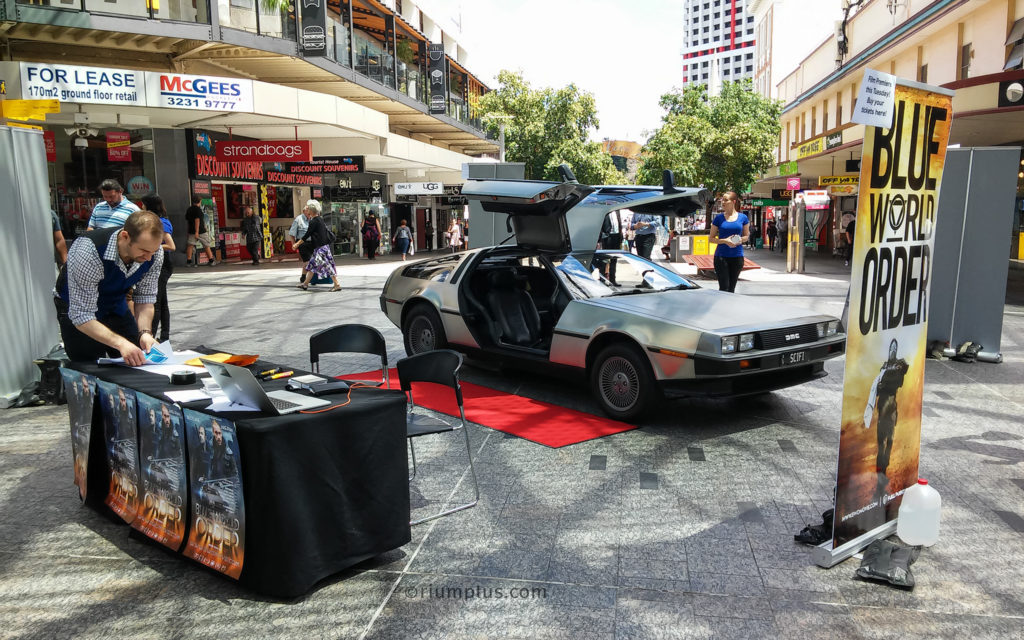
(440,366)
(347,338)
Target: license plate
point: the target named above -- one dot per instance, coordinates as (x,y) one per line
(793,357)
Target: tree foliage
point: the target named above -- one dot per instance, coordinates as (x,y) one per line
(547,127)
(721,142)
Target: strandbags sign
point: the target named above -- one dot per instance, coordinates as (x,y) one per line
(99,85)
(880,437)
(264,151)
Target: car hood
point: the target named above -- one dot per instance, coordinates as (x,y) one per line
(563,216)
(710,310)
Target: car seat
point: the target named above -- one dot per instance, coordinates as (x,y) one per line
(513,309)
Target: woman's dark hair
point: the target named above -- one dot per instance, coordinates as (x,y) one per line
(155,204)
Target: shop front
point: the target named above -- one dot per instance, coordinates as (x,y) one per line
(349,199)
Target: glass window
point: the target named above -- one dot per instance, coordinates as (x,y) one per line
(372,57)
(118,7)
(965,62)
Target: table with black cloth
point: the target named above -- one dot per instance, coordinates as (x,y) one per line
(322,491)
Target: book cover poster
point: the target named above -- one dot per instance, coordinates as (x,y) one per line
(80,390)
(880,439)
(164,506)
(217,536)
(121,440)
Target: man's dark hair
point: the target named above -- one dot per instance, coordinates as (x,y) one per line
(144,222)
(197,199)
(111,185)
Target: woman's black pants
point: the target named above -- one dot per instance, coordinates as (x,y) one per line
(728,272)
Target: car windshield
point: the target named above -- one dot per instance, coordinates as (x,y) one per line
(616,273)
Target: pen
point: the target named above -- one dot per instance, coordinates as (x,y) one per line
(283,374)
(268,372)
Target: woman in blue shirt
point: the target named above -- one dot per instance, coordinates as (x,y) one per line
(729,230)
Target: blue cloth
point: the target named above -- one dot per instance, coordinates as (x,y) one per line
(402,245)
(168,227)
(726,229)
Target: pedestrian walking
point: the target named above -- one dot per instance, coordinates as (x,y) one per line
(402,239)
(645,227)
(321,263)
(198,236)
(729,230)
(783,229)
(251,229)
(161,310)
(772,233)
(454,236)
(371,235)
(114,209)
(851,229)
(296,231)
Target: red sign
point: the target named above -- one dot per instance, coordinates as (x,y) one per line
(202,188)
(793,184)
(264,151)
(50,142)
(119,146)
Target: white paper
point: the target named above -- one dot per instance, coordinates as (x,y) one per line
(187,395)
(157,355)
(876,100)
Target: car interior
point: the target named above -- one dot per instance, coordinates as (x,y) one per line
(516,302)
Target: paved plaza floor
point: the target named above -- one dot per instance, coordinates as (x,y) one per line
(682,528)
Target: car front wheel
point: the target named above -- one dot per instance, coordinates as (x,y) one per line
(423,331)
(622,382)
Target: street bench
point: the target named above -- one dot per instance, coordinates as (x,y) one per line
(706,264)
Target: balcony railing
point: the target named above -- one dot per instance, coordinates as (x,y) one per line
(177,10)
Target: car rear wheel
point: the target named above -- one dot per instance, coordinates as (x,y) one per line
(423,331)
(622,382)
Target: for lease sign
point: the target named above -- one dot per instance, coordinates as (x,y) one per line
(94,85)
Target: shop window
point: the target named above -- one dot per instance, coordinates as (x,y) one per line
(922,73)
(966,53)
(1015,58)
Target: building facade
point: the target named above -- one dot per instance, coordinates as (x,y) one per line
(147,90)
(718,42)
(974,47)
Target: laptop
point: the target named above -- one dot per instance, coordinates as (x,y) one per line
(242,387)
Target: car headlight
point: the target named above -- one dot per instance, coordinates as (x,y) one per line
(746,341)
(821,326)
(729,344)
(833,328)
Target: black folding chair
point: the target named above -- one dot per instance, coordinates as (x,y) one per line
(350,338)
(441,367)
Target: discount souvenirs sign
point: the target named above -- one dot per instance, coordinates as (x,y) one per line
(901,170)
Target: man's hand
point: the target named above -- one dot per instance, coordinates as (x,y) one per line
(133,355)
(147,341)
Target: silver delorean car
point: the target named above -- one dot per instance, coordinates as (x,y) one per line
(546,298)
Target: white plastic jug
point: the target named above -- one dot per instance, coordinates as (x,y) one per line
(919,515)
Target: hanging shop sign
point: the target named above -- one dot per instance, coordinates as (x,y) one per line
(95,85)
(119,147)
(50,142)
(437,72)
(314,28)
(263,151)
(843,189)
(788,168)
(332,164)
(825,181)
(880,438)
(815,199)
(419,189)
(819,145)
(782,194)
(280,177)
(765,202)
(453,189)
(793,184)
(202,188)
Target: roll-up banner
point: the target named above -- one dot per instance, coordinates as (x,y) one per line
(901,171)
(164,505)
(80,390)
(121,437)
(438,75)
(217,536)
(314,28)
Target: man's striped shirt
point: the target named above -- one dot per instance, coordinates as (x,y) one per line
(103,215)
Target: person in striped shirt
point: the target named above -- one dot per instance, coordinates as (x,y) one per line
(114,209)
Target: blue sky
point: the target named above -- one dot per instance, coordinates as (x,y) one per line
(626,53)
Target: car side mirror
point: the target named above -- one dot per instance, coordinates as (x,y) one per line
(567,174)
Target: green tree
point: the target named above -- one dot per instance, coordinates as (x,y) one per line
(546,127)
(722,142)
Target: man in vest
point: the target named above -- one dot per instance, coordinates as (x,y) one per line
(103,266)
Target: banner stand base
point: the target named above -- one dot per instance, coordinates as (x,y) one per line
(825,556)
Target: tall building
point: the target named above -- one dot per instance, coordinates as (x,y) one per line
(718,44)
(786,32)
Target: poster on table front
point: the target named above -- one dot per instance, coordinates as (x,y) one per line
(217,536)
(120,437)
(79,389)
(164,506)
(901,171)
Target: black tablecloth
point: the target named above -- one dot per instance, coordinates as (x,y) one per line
(322,491)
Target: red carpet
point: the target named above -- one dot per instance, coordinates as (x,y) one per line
(537,421)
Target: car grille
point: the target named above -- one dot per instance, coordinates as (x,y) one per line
(776,338)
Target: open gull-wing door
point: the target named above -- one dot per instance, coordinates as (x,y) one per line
(535,208)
